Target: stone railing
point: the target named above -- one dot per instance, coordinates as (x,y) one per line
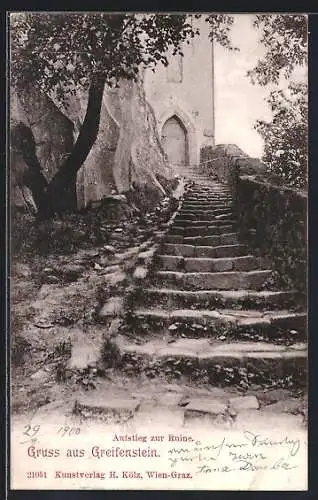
(216,161)
(272,218)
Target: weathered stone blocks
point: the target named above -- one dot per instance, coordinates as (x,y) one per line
(244,403)
(223,280)
(113,307)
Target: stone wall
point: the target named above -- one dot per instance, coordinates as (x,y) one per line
(218,162)
(214,166)
(272,218)
(126,157)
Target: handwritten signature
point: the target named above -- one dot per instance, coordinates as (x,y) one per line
(250,453)
(245,465)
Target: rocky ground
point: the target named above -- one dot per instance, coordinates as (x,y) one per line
(62,271)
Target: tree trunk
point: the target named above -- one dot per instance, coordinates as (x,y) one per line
(37,183)
(59,187)
(22,143)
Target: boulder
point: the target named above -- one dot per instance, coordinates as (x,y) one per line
(242,403)
(109,249)
(125,158)
(113,307)
(140,273)
(116,278)
(203,406)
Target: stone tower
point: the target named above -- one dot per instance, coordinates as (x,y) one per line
(182,97)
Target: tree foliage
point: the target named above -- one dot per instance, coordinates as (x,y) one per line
(285,136)
(60,51)
(285,40)
(220,29)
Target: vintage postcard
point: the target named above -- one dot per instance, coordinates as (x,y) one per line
(158,301)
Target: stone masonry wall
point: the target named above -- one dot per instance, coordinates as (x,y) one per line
(217,161)
(272,218)
(215,166)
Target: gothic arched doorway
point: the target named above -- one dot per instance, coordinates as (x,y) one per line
(175,141)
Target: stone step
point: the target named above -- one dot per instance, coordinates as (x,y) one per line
(201,230)
(230,323)
(232,280)
(192,174)
(217,240)
(200,176)
(205,264)
(199,180)
(221,364)
(194,223)
(196,208)
(200,193)
(207,203)
(170,238)
(202,190)
(205,206)
(208,193)
(215,186)
(208,199)
(210,189)
(224,239)
(222,217)
(203,218)
(204,251)
(208,196)
(206,213)
(169,298)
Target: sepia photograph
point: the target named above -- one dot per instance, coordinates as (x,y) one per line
(158,194)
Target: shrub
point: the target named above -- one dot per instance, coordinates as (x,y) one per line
(285,136)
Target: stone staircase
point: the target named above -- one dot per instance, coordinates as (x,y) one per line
(209,310)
